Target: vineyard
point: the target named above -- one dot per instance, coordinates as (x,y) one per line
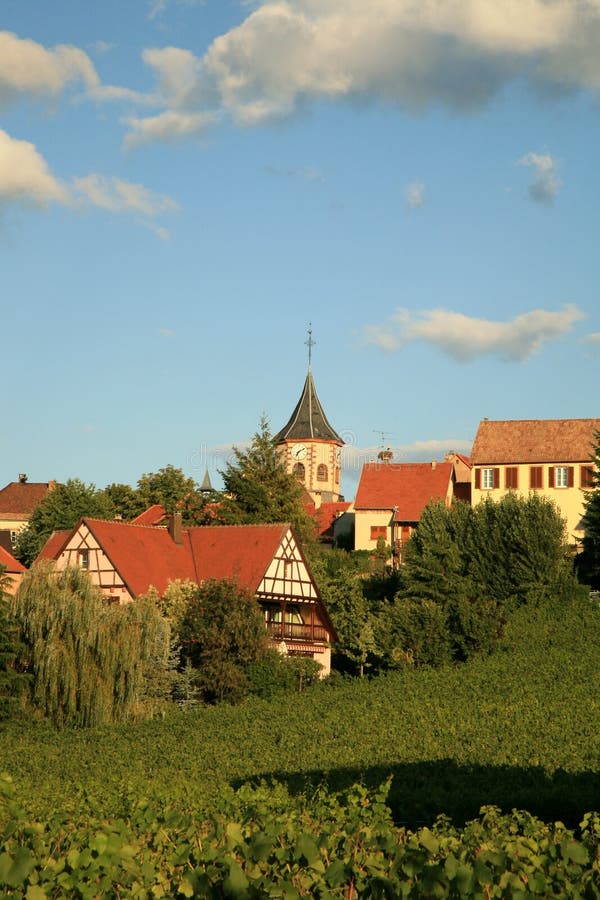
(335,792)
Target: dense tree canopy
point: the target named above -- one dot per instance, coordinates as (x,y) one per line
(221,632)
(61,509)
(11,680)
(589,560)
(258,487)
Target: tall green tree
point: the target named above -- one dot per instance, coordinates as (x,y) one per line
(169,486)
(12,681)
(221,633)
(259,489)
(61,509)
(88,659)
(126,501)
(588,563)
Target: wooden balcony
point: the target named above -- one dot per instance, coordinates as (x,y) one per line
(292,631)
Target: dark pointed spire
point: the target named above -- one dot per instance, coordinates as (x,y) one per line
(206,487)
(308,421)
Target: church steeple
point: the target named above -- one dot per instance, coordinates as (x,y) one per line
(311,445)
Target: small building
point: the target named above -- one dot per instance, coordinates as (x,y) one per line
(126,559)
(13,569)
(392,496)
(552,457)
(18,501)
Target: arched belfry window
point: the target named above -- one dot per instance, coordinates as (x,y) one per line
(322,473)
(299,471)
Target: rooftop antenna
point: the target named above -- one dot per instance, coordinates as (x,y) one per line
(310,343)
(385,455)
(383,434)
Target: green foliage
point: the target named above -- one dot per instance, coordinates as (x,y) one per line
(263,842)
(588,563)
(61,509)
(91,663)
(259,488)
(222,632)
(273,673)
(12,681)
(125,500)
(169,487)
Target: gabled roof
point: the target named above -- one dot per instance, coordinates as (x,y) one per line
(308,421)
(143,555)
(534,441)
(154,515)
(20,498)
(242,552)
(11,564)
(407,486)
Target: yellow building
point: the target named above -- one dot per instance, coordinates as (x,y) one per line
(549,456)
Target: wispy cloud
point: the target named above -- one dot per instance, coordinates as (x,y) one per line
(546,184)
(27,67)
(157,8)
(25,179)
(465,338)
(458,54)
(166,332)
(414,194)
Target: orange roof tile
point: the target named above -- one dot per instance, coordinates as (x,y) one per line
(11,564)
(534,441)
(54,545)
(242,552)
(408,486)
(19,499)
(326,514)
(154,515)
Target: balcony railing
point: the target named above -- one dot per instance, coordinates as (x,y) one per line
(292,631)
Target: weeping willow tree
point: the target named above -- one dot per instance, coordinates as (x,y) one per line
(90,660)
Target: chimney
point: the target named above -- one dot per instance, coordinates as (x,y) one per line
(22,478)
(433,463)
(175,528)
(51,485)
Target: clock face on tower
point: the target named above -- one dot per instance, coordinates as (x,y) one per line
(299,451)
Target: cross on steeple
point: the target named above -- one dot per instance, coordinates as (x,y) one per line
(310,343)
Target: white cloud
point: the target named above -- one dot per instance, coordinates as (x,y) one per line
(116,195)
(29,68)
(465,338)
(545,185)
(167,126)
(455,53)
(25,177)
(592,338)
(157,8)
(166,332)
(415,194)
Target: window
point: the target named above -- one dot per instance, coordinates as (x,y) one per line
(511,477)
(560,476)
(489,479)
(299,471)
(536,477)
(378,531)
(84,559)
(586,476)
(13,537)
(322,473)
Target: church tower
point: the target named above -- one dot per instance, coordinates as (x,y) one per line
(311,448)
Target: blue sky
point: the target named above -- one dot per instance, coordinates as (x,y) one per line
(185,186)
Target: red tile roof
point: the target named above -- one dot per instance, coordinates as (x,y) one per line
(19,499)
(326,514)
(11,564)
(409,486)
(239,551)
(534,441)
(54,545)
(154,515)
(145,556)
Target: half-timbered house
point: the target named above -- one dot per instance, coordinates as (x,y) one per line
(126,559)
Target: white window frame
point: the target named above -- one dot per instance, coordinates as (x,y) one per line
(487,479)
(561,476)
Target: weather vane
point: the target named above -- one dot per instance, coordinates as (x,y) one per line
(310,343)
